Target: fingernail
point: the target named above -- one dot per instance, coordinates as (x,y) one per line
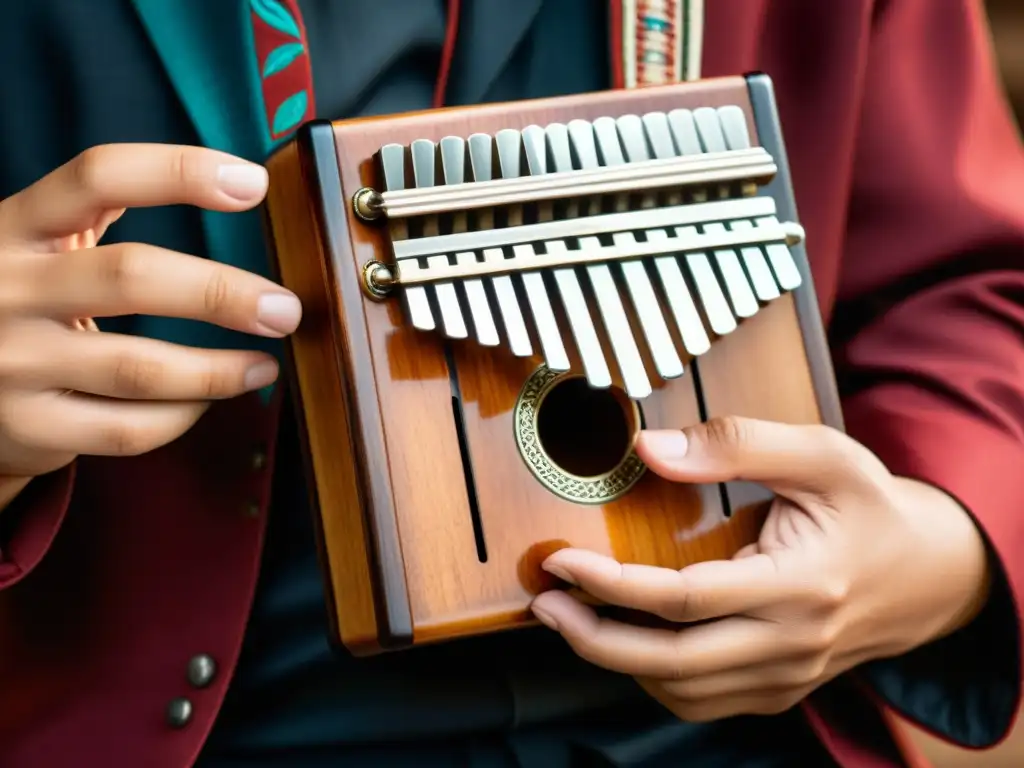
(668,444)
(242,181)
(278,314)
(261,375)
(545,618)
(561,573)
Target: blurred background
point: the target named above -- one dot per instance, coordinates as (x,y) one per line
(1006,19)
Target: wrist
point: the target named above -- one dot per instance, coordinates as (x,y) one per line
(953,555)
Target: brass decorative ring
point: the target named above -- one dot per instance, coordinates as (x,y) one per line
(581,490)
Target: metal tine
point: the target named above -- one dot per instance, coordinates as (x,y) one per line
(539,142)
(453,165)
(550,336)
(630,131)
(744,303)
(595,367)
(684,310)
(716,306)
(392,161)
(613,314)
(787,273)
(734,130)
(453,171)
(734,126)
(481,157)
(424,169)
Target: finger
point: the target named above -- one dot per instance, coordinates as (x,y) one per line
(771,678)
(86,238)
(81,424)
(132,278)
(707,710)
(662,653)
(698,592)
(791,460)
(78,195)
(748,551)
(48,356)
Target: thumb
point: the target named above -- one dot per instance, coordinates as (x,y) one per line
(792,461)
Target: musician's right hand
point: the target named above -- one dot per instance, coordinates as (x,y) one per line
(67,389)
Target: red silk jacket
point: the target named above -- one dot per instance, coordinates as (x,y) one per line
(909,175)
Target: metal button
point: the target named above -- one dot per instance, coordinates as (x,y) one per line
(179,713)
(259,460)
(201,670)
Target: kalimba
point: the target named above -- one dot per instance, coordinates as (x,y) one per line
(497,299)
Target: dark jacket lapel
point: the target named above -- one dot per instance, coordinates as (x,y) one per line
(207,49)
(210,54)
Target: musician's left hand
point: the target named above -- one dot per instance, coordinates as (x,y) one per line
(853,564)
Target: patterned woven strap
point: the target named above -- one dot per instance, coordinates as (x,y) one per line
(661,41)
(282,65)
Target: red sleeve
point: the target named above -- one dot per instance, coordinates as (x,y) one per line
(31,522)
(929,330)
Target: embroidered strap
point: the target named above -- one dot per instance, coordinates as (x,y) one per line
(285,73)
(662,41)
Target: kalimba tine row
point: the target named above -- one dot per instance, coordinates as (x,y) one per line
(689,231)
(498,299)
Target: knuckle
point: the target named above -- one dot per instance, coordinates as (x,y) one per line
(820,640)
(135,376)
(828,636)
(219,293)
(89,168)
(799,673)
(727,434)
(587,645)
(185,168)
(830,594)
(125,439)
(685,606)
(122,267)
(676,667)
(814,669)
(215,383)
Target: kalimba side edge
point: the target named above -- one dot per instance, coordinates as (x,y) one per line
(339,411)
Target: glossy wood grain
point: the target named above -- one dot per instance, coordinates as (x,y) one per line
(396,511)
(322,369)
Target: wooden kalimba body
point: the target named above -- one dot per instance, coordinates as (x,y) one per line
(497,299)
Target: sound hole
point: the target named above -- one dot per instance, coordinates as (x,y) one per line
(586,432)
